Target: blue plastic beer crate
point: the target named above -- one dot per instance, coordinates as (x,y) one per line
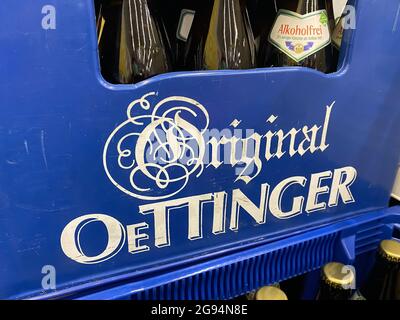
(102,183)
(353,242)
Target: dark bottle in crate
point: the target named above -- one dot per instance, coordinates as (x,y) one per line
(178,16)
(337,33)
(109,38)
(220,37)
(272,292)
(337,281)
(339,15)
(295,287)
(300,35)
(264,293)
(98,5)
(131,46)
(262,15)
(383,282)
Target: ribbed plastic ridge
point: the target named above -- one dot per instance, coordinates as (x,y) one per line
(238,278)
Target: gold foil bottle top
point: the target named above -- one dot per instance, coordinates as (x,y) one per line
(390,250)
(270,293)
(338,275)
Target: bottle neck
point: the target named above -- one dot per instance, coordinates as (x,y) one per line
(300,6)
(307,6)
(227,6)
(329,291)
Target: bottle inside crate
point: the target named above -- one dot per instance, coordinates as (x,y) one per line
(132,47)
(138,39)
(300,35)
(337,282)
(383,282)
(221,37)
(265,293)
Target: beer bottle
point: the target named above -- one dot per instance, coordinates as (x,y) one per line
(179,16)
(383,282)
(262,15)
(131,46)
(295,288)
(337,33)
(300,35)
(98,11)
(220,37)
(108,38)
(338,9)
(337,39)
(336,282)
(270,293)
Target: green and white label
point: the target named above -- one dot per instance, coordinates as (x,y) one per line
(300,36)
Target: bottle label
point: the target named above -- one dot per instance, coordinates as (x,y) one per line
(300,36)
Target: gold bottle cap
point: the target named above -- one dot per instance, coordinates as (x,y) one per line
(338,275)
(270,293)
(390,250)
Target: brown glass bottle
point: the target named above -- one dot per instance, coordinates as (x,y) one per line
(272,292)
(262,15)
(131,46)
(220,37)
(337,33)
(315,50)
(336,282)
(175,15)
(109,38)
(264,293)
(383,282)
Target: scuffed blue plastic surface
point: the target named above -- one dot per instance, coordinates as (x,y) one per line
(56,114)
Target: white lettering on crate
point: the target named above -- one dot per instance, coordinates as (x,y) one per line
(154,156)
(335,183)
(158,152)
